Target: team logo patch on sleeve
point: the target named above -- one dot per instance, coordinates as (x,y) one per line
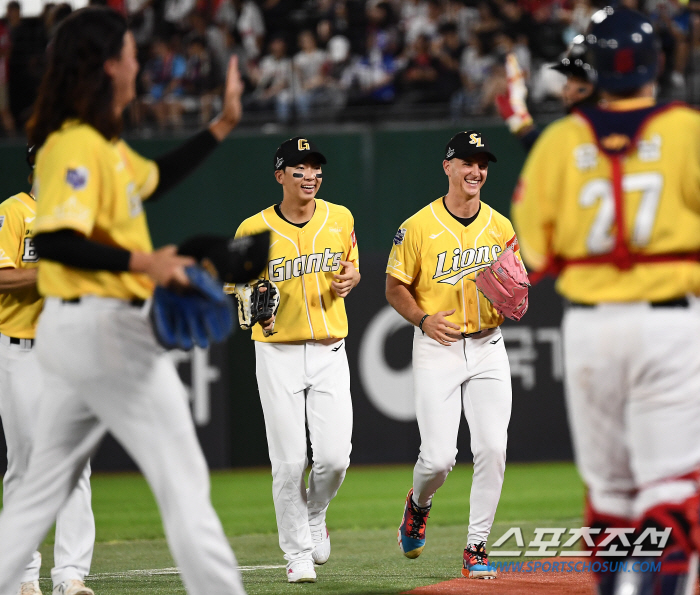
(2,221)
(513,243)
(353,238)
(398,238)
(77,178)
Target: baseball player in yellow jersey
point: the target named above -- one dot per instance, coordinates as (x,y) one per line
(21,388)
(103,369)
(458,352)
(302,366)
(609,198)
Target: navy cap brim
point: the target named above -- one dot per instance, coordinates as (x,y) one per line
(303,157)
(466,154)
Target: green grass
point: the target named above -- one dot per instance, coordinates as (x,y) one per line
(362,520)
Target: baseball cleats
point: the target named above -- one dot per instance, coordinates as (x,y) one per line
(322,544)
(476,562)
(301,571)
(72,587)
(412,530)
(30,588)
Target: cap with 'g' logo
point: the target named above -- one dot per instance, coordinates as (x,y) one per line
(295,150)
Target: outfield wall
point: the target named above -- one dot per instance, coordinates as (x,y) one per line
(383,176)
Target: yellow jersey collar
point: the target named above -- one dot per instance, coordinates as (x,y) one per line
(446,218)
(626,105)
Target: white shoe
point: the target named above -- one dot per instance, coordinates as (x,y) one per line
(322,544)
(72,587)
(301,571)
(30,588)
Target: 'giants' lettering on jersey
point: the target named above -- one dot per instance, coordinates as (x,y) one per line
(464,263)
(281,269)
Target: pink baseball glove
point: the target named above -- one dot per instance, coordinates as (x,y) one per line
(504,283)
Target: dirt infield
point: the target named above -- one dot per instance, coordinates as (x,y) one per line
(519,583)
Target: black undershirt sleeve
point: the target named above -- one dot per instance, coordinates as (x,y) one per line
(70,248)
(176,165)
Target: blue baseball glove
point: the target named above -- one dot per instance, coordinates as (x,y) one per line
(200,315)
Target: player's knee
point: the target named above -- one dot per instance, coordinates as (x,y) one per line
(439,463)
(492,454)
(332,466)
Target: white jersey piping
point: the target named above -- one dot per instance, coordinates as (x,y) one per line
(478,304)
(318,285)
(306,303)
(459,243)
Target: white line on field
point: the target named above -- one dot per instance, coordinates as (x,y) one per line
(163,571)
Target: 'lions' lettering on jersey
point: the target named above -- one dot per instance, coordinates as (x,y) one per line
(661,208)
(440,257)
(19,309)
(302,263)
(462,262)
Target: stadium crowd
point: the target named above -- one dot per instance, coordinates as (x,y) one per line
(340,59)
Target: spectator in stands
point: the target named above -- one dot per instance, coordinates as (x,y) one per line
(476,68)
(251,26)
(672,24)
(464,17)
(487,25)
(175,13)
(214,38)
(333,95)
(273,81)
(309,85)
(25,62)
(419,77)
(448,49)
(8,122)
(369,80)
(201,83)
(381,22)
(515,19)
(234,47)
(162,81)
(547,34)
(426,24)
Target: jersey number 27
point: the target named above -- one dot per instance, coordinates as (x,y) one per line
(601,238)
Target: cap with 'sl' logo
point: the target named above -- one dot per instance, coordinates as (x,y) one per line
(466,144)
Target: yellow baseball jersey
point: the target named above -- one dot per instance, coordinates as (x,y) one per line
(439,258)
(565,205)
(302,263)
(88,184)
(19,309)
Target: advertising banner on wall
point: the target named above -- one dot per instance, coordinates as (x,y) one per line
(379,348)
(223,396)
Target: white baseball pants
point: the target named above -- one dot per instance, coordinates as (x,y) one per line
(21,391)
(633,400)
(472,374)
(300,384)
(105,372)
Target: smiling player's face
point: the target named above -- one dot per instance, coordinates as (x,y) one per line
(467,176)
(301,182)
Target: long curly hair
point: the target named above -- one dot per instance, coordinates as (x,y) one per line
(75,84)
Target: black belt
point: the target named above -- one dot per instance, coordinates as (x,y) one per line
(674,303)
(136,302)
(477,334)
(16,341)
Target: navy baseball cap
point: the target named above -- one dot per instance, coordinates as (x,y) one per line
(294,151)
(468,143)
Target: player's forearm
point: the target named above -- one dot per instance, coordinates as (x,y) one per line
(401,299)
(15,279)
(176,165)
